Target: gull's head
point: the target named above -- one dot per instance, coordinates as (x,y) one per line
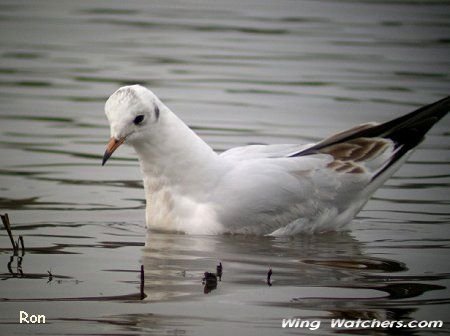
(132,112)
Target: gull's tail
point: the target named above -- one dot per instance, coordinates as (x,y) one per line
(379,149)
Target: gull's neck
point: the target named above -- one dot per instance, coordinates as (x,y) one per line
(174,156)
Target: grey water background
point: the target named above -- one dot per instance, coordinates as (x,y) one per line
(238,72)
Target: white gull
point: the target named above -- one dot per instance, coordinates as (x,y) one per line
(257,189)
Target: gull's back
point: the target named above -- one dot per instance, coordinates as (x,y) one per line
(288,189)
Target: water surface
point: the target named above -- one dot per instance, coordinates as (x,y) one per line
(238,73)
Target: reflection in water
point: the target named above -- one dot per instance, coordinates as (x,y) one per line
(19,272)
(246,259)
(15,269)
(309,278)
(375,264)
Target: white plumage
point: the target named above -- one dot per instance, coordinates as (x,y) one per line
(259,189)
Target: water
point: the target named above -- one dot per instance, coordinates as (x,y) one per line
(238,73)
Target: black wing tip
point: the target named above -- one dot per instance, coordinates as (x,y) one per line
(409,129)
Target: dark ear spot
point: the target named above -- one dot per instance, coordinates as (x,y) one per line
(156,112)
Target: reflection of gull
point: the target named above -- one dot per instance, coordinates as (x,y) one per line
(260,189)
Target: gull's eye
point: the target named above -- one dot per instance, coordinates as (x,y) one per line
(138,119)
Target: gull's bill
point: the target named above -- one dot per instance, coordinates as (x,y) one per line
(112,145)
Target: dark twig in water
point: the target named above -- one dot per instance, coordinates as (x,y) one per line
(7,225)
(142,283)
(21,244)
(269,275)
(219,271)
(15,245)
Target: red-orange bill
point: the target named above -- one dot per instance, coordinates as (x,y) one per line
(112,145)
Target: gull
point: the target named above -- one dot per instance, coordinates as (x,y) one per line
(257,189)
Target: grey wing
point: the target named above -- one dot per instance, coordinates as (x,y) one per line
(286,189)
(252,152)
(263,195)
